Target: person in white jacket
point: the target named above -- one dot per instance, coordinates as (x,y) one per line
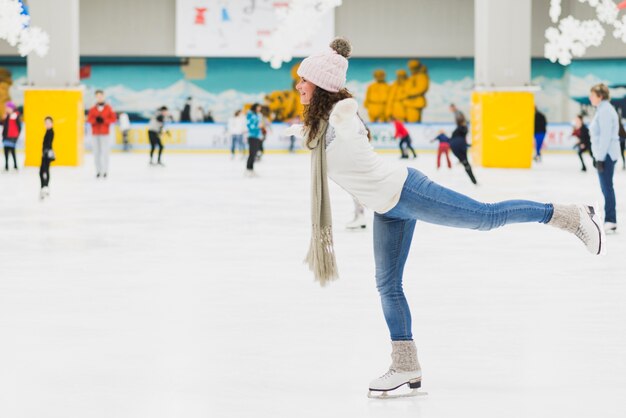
(236,129)
(124,122)
(399,197)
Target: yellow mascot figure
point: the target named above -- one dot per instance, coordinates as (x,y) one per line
(397,95)
(295,96)
(416,88)
(376,97)
(5,85)
(285,105)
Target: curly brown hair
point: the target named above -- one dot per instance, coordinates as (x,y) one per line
(322,102)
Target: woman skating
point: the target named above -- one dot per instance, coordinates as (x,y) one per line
(458,144)
(253,126)
(155,131)
(399,197)
(604,130)
(47,156)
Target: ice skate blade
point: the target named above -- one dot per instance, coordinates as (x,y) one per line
(600,218)
(372,394)
(384,394)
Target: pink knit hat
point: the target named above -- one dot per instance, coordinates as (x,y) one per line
(11,105)
(328,69)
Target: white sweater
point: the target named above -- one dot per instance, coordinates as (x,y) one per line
(353,164)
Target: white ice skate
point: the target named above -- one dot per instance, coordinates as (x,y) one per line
(583,221)
(610,227)
(358,222)
(590,231)
(42,194)
(404,370)
(392,381)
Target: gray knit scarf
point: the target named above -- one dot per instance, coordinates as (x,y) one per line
(321,255)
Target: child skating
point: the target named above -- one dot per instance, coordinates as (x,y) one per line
(443,149)
(399,196)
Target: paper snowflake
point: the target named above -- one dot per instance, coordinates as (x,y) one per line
(15,29)
(297,24)
(572,37)
(620,29)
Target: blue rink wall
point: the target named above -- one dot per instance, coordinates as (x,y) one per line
(213,137)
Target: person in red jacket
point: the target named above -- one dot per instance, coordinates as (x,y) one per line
(405,138)
(10,134)
(101,116)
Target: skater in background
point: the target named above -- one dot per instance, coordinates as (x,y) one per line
(253,122)
(399,196)
(292,138)
(359,216)
(101,116)
(155,132)
(236,129)
(208,117)
(185,115)
(622,142)
(458,144)
(405,139)
(604,130)
(459,117)
(443,149)
(265,125)
(47,156)
(197,115)
(124,122)
(540,132)
(584,140)
(12,127)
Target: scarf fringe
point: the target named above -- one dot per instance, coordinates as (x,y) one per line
(321,255)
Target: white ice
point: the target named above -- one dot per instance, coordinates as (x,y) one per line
(180,292)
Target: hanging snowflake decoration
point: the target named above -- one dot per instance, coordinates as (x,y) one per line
(620,29)
(555,10)
(607,11)
(572,37)
(33,40)
(15,29)
(298,22)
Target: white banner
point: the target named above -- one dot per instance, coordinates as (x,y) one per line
(236,28)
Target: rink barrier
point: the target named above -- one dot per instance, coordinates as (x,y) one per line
(211,138)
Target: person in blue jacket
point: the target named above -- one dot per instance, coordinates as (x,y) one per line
(604,130)
(253,121)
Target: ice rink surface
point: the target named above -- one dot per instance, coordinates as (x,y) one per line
(180,292)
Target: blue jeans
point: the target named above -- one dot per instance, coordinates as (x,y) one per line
(539,137)
(424,200)
(237,142)
(606,184)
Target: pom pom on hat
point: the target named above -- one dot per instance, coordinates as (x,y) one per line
(342,47)
(328,69)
